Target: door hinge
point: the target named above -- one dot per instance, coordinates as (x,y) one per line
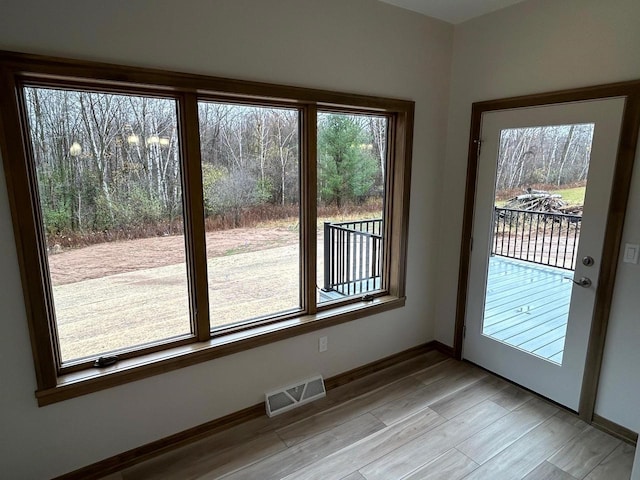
(464,331)
(471,245)
(478,143)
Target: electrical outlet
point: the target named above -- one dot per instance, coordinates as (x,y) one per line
(631,251)
(323,344)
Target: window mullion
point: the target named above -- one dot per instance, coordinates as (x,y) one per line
(194,216)
(309,205)
(399,190)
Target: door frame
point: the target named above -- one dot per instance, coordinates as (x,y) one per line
(623,169)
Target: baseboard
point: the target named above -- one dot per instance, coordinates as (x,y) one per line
(614,429)
(145,452)
(442,348)
(368,369)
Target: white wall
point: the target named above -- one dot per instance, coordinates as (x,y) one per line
(539,46)
(359,46)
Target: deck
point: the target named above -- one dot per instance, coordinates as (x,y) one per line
(527,306)
(353,289)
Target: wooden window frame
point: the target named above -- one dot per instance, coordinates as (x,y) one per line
(56,382)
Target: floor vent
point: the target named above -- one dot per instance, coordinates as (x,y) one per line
(293,396)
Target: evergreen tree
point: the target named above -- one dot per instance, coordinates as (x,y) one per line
(346,169)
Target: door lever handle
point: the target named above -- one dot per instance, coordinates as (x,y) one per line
(584,282)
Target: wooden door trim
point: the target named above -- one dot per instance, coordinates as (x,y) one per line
(614,224)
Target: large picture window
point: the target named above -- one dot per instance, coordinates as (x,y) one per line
(165,219)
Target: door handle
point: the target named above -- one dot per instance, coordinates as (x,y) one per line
(584,282)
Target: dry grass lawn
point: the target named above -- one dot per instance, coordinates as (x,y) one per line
(122,294)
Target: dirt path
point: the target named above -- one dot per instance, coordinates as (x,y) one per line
(97,261)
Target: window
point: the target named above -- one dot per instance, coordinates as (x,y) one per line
(251,184)
(109,182)
(351,161)
(165,219)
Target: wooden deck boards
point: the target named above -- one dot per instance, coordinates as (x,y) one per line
(527,306)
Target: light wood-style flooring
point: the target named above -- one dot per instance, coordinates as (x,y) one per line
(428,418)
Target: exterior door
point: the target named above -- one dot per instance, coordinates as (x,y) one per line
(535,260)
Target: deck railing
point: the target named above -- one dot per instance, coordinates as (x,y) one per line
(538,237)
(353,256)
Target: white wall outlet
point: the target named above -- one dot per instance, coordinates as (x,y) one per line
(323,344)
(631,252)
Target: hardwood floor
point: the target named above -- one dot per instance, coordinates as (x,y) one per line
(429,418)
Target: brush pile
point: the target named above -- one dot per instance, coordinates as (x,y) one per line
(541,201)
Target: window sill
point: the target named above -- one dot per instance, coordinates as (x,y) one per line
(88,381)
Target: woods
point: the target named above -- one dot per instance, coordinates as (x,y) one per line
(350,160)
(552,155)
(250,156)
(104,162)
(109,166)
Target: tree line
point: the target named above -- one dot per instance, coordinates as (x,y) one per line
(108,162)
(552,155)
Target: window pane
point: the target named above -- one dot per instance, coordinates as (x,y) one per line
(352,153)
(251,189)
(109,180)
(540,185)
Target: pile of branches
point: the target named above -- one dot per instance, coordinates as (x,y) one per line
(541,201)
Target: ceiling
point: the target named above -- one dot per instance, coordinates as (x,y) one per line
(453,11)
